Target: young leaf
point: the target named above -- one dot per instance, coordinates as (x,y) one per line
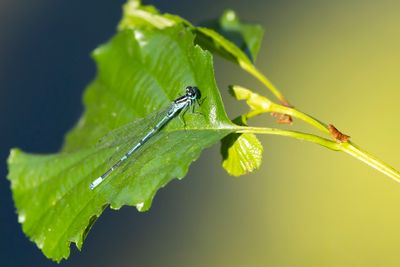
(242,153)
(251,34)
(255,101)
(246,36)
(135,78)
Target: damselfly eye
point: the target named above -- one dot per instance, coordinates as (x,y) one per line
(196,93)
(189,90)
(193,92)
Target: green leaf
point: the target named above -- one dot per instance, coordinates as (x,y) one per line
(250,34)
(139,72)
(246,36)
(255,101)
(242,153)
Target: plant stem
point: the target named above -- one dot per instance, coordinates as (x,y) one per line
(347,147)
(300,115)
(261,104)
(353,150)
(293,134)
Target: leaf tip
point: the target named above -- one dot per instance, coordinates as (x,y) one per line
(229,15)
(139,206)
(14,152)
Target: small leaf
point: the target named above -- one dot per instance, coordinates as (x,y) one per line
(139,72)
(251,34)
(246,36)
(242,153)
(255,101)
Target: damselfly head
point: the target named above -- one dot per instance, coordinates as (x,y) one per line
(193,92)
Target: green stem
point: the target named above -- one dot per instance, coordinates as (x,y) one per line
(372,161)
(293,134)
(300,115)
(346,147)
(261,104)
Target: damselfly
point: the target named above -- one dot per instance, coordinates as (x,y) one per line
(178,106)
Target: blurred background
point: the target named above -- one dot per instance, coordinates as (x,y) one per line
(306,206)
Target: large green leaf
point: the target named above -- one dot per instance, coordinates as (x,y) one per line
(242,153)
(139,72)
